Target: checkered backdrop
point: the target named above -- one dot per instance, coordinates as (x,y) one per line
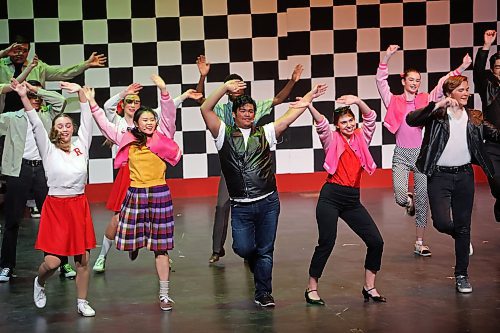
(338,42)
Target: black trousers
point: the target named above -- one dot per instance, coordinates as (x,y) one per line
(31,180)
(493,150)
(340,201)
(451,196)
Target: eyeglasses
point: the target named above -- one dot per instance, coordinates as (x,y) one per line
(132,101)
(32,95)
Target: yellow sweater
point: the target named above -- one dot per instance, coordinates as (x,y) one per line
(146,169)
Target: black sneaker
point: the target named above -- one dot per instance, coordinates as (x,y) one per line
(462,284)
(265,300)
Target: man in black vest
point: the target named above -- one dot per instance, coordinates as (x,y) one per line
(245,158)
(487,84)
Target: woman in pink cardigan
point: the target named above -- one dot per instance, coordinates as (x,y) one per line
(346,156)
(409,139)
(146,217)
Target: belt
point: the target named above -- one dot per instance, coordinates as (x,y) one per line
(33,163)
(454,169)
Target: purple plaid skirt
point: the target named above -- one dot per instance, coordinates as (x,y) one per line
(146,220)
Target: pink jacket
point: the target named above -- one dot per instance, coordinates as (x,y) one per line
(161,143)
(334,145)
(396,104)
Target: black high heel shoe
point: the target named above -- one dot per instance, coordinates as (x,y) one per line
(313,301)
(367,296)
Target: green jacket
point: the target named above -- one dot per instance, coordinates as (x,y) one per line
(14,125)
(42,72)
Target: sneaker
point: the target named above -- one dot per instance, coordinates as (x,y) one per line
(410,206)
(35,213)
(471,249)
(462,284)
(5,274)
(85,309)
(422,250)
(265,300)
(166,303)
(39,294)
(99,265)
(67,271)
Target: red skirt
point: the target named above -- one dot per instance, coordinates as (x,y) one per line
(66,227)
(119,190)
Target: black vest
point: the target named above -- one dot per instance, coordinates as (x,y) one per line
(248,172)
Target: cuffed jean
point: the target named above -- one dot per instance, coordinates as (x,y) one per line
(254,226)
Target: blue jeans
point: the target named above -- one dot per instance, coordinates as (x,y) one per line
(254,227)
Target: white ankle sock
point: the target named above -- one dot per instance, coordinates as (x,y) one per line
(80,300)
(106,245)
(420,242)
(164,288)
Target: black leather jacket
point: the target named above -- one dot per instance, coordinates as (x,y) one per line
(488,87)
(248,171)
(437,133)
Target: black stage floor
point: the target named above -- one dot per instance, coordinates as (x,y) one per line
(218,298)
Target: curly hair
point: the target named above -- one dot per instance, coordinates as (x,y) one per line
(54,135)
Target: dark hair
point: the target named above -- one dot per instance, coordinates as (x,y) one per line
(342,111)
(19,39)
(494,57)
(407,72)
(34,83)
(452,82)
(54,134)
(140,136)
(242,100)
(232,77)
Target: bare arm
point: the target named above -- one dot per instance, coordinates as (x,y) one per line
(203,68)
(287,89)
(283,122)
(207,108)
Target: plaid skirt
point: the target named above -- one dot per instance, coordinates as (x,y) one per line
(146,220)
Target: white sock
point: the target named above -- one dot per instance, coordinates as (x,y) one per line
(420,241)
(106,245)
(80,300)
(164,288)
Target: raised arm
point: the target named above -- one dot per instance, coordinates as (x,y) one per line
(42,139)
(287,89)
(383,73)
(480,73)
(168,110)
(87,100)
(283,122)
(203,68)
(437,93)
(54,73)
(190,93)
(369,116)
(56,101)
(207,108)
(111,104)
(5,88)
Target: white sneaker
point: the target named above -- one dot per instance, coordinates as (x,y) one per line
(100,264)
(39,294)
(5,275)
(471,249)
(85,309)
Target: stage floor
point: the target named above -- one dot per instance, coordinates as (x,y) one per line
(219,298)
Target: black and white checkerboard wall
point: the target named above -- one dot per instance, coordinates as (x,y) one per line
(338,42)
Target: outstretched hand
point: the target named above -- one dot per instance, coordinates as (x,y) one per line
(192,94)
(96,60)
(235,85)
(297,72)
(89,92)
(319,90)
(348,99)
(300,103)
(70,86)
(34,62)
(203,65)
(11,50)
(132,89)
(20,88)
